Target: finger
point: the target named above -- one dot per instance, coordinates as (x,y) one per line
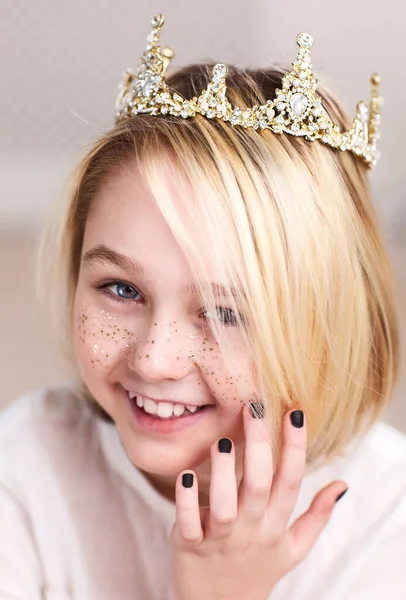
(223,490)
(304,532)
(188,528)
(289,475)
(255,486)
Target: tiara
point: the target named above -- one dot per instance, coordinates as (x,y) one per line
(296,109)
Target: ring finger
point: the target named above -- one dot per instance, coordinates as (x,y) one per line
(223,490)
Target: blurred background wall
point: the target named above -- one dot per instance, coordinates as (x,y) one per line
(60,62)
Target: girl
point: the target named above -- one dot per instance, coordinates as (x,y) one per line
(225,301)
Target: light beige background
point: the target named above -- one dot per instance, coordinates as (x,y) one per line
(60,63)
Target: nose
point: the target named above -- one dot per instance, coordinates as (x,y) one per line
(168,351)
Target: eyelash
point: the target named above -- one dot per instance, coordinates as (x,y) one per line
(103,289)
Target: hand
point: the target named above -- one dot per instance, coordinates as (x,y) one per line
(239,548)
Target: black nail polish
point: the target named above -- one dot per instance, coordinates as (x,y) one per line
(187,480)
(341,495)
(225,445)
(296,418)
(257,410)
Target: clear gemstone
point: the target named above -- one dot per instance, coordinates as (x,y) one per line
(219,72)
(164,110)
(281,106)
(246,114)
(213,102)
(298,104)
(279,120)
(148,83)
(210,114)
(270,113)
(304,40)
(157,20)
(363,109)
(316,112)
(295,127)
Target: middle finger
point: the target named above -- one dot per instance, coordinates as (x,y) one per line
(255,486)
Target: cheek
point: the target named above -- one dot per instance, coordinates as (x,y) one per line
(231,379)
(100,340)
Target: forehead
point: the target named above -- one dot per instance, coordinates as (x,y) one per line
(126,218)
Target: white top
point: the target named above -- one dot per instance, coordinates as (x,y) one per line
(79,521)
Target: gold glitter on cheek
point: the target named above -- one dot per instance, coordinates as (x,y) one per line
(99,333)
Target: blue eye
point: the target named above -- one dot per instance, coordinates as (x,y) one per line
(124,291)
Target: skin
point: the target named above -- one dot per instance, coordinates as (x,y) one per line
(159,344)
(159,341)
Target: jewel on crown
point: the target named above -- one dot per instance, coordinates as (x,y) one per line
(296,110)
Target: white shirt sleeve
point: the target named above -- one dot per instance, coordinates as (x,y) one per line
(20,571)
(383,575)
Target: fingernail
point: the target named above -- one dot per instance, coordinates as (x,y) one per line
(225,445)
(257,410)
(187,480)
(341,495)
(296,418)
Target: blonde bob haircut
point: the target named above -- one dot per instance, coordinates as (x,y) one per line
(295,233)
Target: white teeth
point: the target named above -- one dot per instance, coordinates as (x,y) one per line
(178,410)
(150,406)
(164,410)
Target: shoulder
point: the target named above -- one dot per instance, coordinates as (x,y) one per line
(36,425)
(387,442)
(374,469)
(381,455)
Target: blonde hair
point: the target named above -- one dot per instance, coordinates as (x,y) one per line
(296,231)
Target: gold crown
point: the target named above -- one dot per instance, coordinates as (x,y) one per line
(296,110)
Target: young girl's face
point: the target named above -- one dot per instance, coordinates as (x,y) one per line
(141,335)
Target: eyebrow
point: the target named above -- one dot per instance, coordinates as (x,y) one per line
(103,254)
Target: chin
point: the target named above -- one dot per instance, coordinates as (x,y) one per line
(166,460)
